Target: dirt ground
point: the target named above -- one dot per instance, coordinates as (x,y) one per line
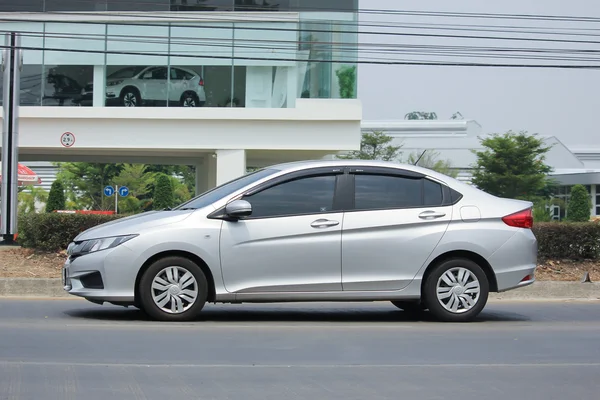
(26,263)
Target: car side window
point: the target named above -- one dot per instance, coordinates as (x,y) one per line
(309,195)
(432,193)
(159,73)
(386,191)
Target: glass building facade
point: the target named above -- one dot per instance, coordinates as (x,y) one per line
(172,53)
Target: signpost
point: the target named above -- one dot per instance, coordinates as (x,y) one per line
(12,62)
(117,191)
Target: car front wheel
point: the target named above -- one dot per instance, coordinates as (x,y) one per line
(456,290)
(173,289)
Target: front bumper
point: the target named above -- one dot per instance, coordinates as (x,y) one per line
(107,275)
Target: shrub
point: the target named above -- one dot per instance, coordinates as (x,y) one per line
(568,240)
(56,198)
(163,193)
(54,231)
(578,209)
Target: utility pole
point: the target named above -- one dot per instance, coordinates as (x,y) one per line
(12,63)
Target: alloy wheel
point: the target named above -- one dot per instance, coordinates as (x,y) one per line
(129,99)
(189,102)
(174,290)
(458,290)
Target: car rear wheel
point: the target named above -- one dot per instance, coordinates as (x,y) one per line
(173,289)
(456,290)
(189,99)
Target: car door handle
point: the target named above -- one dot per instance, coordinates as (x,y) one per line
(431,214)
(324,223)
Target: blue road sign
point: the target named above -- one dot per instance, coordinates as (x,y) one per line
(123,191)
(109,191)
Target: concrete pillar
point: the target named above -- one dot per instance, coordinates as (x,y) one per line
(230,164)
(99,85)
(206,174)
(219,167)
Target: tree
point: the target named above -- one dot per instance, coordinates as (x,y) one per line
(138,180)
(31,196)
(374,146)
(347,81)
(421,115)
(579,206)
(56,198)
(85,182)
(164,197)
(512,165)
(431,161)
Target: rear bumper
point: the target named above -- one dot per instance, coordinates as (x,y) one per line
(515,262)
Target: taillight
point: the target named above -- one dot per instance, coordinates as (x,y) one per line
(201,82)
(521,219)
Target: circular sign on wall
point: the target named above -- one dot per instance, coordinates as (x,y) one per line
(67,139)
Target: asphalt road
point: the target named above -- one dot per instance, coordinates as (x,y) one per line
(72,349)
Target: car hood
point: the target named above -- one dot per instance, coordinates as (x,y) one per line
(134,224)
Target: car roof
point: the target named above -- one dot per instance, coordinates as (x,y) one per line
(307,164)
(300,165)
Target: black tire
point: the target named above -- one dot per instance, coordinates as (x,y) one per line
(128,95)
(410,307)
(430,291)
(190,99)
(146,291)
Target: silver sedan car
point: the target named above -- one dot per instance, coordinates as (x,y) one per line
(313,231)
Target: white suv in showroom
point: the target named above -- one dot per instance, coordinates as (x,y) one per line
(136,86)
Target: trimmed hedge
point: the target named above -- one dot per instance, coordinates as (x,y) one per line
(54,231)
(568,240)
(556,240)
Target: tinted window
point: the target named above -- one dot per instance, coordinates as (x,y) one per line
(324,5)
(432,193)
(381,191)
(74,5)
(262,5)
(311,195)
(143,5)
(207,198)
(201,5)
(21,5)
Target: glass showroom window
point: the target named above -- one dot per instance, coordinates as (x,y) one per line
(200,55)
(266,65)
(53,76)
(329,40)
(137,62)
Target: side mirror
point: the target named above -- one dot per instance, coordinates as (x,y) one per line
(238,209)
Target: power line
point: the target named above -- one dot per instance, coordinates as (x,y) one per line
(373,48)
(303,30)
(338,61)
(372,11)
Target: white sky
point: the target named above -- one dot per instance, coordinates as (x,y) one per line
(564,103)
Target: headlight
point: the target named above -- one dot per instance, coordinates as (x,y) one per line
(93,245)
(114,83)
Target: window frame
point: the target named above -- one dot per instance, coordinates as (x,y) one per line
(338,201)
(449,195)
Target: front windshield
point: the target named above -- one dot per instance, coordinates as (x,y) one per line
(207,198)
(125,73)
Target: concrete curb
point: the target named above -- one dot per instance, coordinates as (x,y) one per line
(541,290)
(32,287)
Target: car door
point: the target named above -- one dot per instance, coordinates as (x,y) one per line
(292,240)
(397,219)
(155,85)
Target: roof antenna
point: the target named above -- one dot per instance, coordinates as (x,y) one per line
(419,159)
